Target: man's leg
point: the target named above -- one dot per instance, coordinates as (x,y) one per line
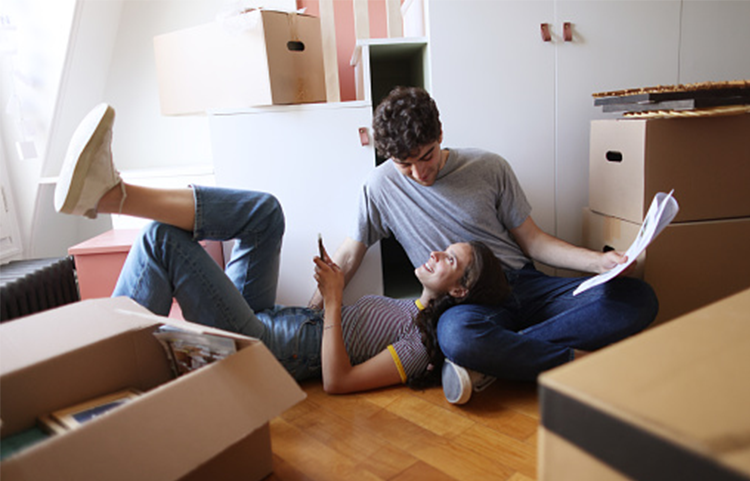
(542,323)
(591,320)
(480,338)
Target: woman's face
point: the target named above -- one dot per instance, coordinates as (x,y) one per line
(443,271)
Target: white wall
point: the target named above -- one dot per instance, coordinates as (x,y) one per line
(72,55)
(34,38)
(143,137)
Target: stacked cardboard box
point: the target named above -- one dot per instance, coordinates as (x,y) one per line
(706,161)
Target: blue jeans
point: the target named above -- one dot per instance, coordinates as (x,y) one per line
(541,323)
(167,262)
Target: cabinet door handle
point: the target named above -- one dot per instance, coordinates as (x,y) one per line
(546,35)
(568,32)
(364,136)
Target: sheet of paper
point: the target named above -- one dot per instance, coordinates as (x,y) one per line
(663,209)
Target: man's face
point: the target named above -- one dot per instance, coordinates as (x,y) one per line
(423,167)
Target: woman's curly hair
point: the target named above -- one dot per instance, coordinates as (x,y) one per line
(405,121)
(487,285)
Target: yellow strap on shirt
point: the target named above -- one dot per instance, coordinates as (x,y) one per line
(397,361)
(419,304)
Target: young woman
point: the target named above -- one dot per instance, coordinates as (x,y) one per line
(376,342)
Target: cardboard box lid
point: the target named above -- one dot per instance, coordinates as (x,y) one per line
(170,430)
(686,382)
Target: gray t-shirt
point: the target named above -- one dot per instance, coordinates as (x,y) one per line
(476,196)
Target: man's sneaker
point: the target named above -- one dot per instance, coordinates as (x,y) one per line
(88,172)
(459,382)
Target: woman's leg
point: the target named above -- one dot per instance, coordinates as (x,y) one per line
(170,206)
(255,221)
(165,263)
(90,184)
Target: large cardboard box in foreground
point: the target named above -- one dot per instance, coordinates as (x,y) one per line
(668,404)
(705,160)
(209,424)
(261,57)
(689,265)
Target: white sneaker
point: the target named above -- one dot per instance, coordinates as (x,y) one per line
(88,172)
(459,382)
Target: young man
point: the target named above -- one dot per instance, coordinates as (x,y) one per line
(428,197)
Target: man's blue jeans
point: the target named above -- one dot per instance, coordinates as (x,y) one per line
(167,262)
(541,323)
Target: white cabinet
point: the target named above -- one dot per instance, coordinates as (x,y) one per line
(615,45)
(493,80)
(311,158)
(501,87)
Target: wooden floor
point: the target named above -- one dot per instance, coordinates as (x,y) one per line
(400,434)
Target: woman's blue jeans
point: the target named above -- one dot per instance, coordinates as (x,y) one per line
(167,262)
(541,323)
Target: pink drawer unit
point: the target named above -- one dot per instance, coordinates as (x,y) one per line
(99,261)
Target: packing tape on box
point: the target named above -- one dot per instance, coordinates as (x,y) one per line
(235,18)
(293,31)
(612,229)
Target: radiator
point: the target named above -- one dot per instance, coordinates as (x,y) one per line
(35,285)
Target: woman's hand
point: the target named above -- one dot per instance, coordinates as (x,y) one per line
(339,376)
(330,279)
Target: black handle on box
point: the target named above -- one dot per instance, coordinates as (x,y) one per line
(613,156)
(295,46)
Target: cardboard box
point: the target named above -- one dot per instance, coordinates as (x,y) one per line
(668,404)
(209,424)
(690,264)
(705,160)
(261,57)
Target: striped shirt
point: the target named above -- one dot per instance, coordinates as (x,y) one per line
(375,323)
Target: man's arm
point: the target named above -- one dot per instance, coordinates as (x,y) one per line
(348,257)
(555,252)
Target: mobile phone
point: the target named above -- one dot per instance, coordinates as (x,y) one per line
(321,249)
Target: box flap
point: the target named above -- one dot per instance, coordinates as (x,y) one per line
(685,381)
(33,339)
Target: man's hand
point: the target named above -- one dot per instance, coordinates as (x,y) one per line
(612,259)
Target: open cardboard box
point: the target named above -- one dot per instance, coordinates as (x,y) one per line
(209,424)
(671,403)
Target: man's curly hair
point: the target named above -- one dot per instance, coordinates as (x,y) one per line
(405,121)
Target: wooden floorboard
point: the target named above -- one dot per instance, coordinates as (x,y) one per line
(399,434)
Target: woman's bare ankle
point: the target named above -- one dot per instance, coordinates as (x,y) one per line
(112,201)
